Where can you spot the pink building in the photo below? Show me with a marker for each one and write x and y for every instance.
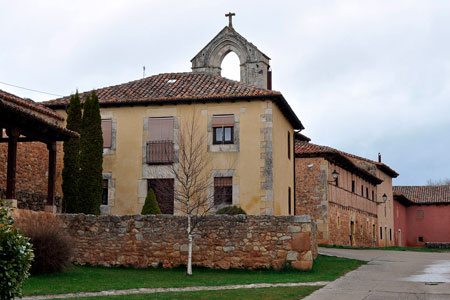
(421, 214)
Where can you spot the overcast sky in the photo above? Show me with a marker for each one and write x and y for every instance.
(362, 76)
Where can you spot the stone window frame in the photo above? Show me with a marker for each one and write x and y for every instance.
(210, 189)
(110, 116)
(158, 171)
(223, 147)
(106, 209)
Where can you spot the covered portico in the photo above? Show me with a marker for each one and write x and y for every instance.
(23, 121)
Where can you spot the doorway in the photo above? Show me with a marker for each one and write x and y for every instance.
(164, 192)
(399, 237)
(352, 233)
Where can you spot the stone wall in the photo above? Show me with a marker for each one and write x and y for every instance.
(221, 241)
(311, 193)
(32, 171)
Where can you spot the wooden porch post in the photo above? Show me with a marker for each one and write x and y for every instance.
(51, 174)
(13, 135)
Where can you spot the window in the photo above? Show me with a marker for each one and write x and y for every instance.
(223, 129)
(223, 190)
(289, 200)
(160, 141)
(390, 234)
(373, 196)
(420, 239)
(420, 214)
(381, 233)
(362, 191)
(107, 133)
(289, 146)
(353, 186)
(367, 192)
(105, 192)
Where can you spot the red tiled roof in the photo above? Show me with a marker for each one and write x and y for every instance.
(385, 168)
(306, 149)
(301, 137)
(29, 105)
(182, 87)
(173, 86)
(30, 114)
(424, 194)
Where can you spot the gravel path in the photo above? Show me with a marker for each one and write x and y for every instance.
(165, 290)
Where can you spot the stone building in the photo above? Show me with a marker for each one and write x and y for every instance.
(421, 215)
(249, 130)
(340, 193)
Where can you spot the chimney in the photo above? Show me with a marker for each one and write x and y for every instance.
(269, 78)
(379, 157)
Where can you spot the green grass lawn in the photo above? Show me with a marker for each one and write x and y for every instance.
(92, 279)
(277, 293)
(417, 249)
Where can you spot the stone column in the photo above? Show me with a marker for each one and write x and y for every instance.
(13, 135)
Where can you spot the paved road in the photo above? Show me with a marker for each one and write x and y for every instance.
(389, 275)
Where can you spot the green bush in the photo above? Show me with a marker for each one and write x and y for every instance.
(231, 210)
(151, 206)
(16, 256)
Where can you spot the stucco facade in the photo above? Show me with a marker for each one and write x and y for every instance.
(259, 153)
(421, 215)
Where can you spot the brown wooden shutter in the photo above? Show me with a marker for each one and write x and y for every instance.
(107, 130)
(223, 181)
(160, 129)
(223, 120)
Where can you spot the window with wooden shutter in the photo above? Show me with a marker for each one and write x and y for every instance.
(107, 133)
(223, 129)
(223, 190)
(160, 141)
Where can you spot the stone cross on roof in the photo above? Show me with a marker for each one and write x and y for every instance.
(230, 16)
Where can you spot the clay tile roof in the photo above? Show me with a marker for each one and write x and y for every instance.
(383, 167)
(33, 112)
(301, 137)
(182, 87)
(306, 149)
(173, 86)
(26, 104)
(424, 194)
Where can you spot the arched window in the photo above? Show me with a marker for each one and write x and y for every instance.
(231, 67)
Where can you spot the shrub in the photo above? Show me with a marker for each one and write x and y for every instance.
(51, 244)
(15, 257)
(231, 210)
(151, 206)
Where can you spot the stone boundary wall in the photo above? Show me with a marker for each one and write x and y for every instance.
(220, 241)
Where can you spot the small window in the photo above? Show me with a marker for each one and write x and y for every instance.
(289, 146)
(223, 190)
(353, 186)
(381, 233)
(420, 239)
(105, 192)
(289, 200)
(367, 192)
(420, 214)
(107, 133)
(223, 129)
(362, 191)
(390, 234)
(373, 196)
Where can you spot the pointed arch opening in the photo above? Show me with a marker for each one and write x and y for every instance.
(230, 67)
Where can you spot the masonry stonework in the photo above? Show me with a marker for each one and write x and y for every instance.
(221, 241)
(32, 174)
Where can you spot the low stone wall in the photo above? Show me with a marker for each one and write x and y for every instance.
(31, 200)
(445, 245)
(220, 241)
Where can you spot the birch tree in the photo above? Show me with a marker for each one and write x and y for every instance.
(191, 179)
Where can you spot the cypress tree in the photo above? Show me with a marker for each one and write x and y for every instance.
(151, 206)
(71, 148)
(91, 157)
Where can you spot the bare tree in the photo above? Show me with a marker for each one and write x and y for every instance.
(191, 179)
(445, 181)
